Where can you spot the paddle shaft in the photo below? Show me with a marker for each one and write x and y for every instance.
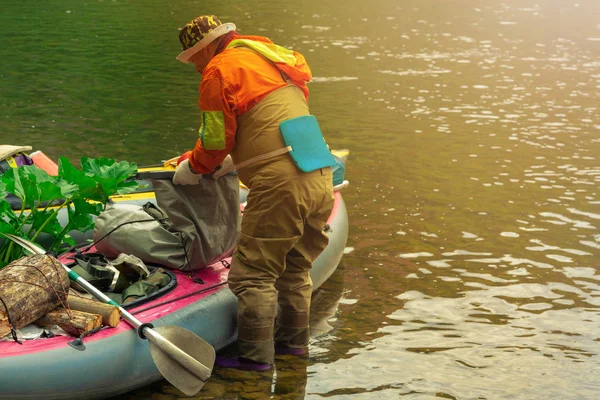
(197, 368)
(187, 373)
(159, 175)
(168, 174)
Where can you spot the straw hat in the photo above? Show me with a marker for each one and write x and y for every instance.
(7, 150)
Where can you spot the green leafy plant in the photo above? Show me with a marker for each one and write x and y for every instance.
(83, 193)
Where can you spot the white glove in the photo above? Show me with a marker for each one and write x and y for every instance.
(184, 174)
(227, 166)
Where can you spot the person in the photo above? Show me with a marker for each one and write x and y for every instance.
(251, 89)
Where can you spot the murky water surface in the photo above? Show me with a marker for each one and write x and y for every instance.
(474, 130)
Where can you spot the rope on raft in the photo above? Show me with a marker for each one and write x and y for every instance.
(48, 288)
(13, 331)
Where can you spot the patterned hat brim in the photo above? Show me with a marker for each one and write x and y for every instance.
(219, 31)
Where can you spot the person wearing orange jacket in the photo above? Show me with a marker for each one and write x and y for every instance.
(254, 118)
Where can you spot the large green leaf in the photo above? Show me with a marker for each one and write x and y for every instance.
(29, 184)
(45, 221)
(6, 227)
(110, 175)
(7, 214)
(51, 188)
(3, 191)
(32, 185)
(84, 193)
(67, 189)
(80, 215)
(50, 191)
(88, 187)
(12, 183)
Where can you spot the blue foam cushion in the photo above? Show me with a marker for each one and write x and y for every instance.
(309, 150)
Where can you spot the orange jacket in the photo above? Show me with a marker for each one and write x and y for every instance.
(233, 82)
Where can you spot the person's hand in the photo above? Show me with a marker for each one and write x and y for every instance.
(184, 175)
(227, 166)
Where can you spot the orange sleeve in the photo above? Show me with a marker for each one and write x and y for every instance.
(218, 125)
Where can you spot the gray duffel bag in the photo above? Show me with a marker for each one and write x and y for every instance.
(192, 226)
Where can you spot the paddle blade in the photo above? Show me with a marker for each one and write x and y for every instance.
(178, 371)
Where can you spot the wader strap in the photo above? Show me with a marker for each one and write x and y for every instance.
(260, 157)
(285, 77)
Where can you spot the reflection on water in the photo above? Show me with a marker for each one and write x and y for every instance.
(476, 234)
(474, 203)
(287, 382)
(462, 347)
(289, 379)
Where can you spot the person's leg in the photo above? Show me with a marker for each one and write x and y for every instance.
(294, 292)
(257, 299)
(271, 226)
(295, 286)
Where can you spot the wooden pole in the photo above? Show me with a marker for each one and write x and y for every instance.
(111, 315)
(74, 322)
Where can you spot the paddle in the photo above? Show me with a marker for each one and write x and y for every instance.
(168, 174)
(182, 357)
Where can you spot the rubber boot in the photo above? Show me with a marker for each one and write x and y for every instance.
(241, 364)
(292, 351)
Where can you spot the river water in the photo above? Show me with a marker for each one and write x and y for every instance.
(472, 264)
